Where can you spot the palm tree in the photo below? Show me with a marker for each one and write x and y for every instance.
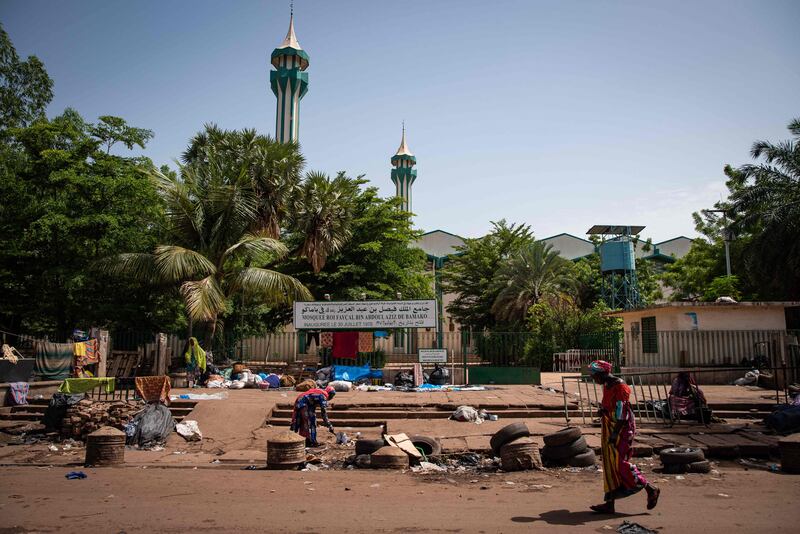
(765, 203)
(532, 273)
(323, 215)
(212, 252)
(273, 169)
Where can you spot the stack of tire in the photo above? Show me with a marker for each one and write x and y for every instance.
(517, 451)
(567, 447)
(677, 460)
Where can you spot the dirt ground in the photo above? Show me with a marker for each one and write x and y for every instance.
(225, 500)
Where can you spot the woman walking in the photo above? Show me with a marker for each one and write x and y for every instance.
(621, 478)
(304, 414)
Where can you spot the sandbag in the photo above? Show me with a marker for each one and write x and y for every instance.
(341, 385)
(151, 426)
(305, 385)
(287, 381)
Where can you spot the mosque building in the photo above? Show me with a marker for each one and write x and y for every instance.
(289, 83)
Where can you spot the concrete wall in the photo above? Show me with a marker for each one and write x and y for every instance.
(728, 317)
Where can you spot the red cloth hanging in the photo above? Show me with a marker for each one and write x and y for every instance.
(345, 345)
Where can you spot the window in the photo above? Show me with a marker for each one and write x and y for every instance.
(649, 335)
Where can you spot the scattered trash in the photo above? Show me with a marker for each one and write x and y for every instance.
(250, 468)
(427, 467)
(341, 438)
(775, 468)
(179, 452)
(189, 430)
(375, 486)
(723, 495)
(467, 414)
(75, 475)
(200, 396)
(679, 477)
(628, 527)
(53, 448)
(540, 486)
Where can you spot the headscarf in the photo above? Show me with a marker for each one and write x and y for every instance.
(600, 367)
(199, 354)
(330, 391)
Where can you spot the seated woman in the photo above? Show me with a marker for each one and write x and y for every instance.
(304, 414)
(685, 397)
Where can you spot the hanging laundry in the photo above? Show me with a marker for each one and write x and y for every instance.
(18, 393)
(153, 388)
(82, 385)
(86, 353)
(365, 343)
(345, 345)
(326, 339)
(54, 360)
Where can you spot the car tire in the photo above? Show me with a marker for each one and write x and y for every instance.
(584, 459)
(563, 452)
(507, 434)
(681, 455)
(563, 436)
(429, 445)
(703, 466)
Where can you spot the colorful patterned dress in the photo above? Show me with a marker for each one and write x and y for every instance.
(621, 478)
(304, 414)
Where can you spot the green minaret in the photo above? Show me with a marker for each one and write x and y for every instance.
(289, 82)
(404, 174)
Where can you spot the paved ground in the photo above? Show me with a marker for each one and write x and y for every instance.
(207, 500)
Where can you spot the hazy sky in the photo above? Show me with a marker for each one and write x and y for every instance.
(559, 114)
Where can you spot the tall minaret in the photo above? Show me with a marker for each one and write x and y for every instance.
(289, 83)
(404, 173)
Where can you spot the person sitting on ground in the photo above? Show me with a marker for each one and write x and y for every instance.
(621, 478)
(195, 358)
(304, 414)
(685, 396)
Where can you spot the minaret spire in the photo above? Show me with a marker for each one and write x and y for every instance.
(289, 83)
(404, 174)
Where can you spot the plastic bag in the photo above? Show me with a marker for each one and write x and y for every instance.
(189, 430)
(466, 414)
(350, 373)
(151, 426)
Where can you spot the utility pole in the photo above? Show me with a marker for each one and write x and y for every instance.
(726, 238)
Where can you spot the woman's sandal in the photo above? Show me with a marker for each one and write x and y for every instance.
(652, 498)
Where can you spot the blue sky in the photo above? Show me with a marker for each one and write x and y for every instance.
(558, 114)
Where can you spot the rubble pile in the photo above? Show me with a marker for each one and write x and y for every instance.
(88, 416)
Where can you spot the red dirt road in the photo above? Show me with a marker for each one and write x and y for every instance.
(224, 500)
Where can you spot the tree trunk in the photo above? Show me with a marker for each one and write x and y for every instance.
(212, 327)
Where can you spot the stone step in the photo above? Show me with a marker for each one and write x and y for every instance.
(20, 416)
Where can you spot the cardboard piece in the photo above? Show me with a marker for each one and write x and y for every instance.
(402, 442)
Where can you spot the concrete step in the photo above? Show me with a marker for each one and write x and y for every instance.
(429, 414)
(356, 423)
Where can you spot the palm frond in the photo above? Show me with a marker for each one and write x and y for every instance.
(177, 264)
(271, 286)
(204, 298)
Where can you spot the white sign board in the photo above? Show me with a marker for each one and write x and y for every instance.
(365, 314)
(432, 355)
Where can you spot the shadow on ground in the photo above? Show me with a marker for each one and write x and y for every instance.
(565, 517)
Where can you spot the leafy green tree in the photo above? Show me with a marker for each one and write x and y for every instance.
(25, 87)
(723, 286)
(65, 204)
(535, 271)
(558, 323)
(111, 130)
(471, 274)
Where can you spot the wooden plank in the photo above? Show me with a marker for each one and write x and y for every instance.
(717, 445)
(679, 440)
